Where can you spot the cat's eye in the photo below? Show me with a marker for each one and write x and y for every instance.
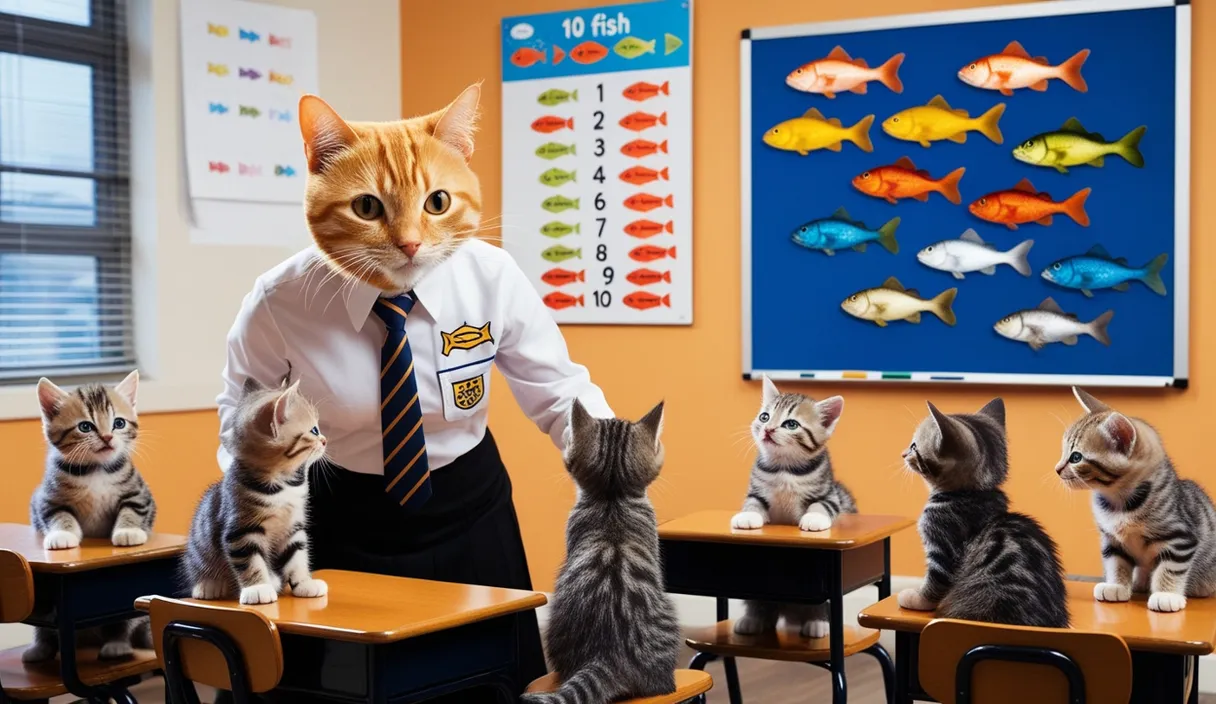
(438, 202)
(367, 207)
(764, 417)
(120, 423)
(315, 430)
(85, 426)
(791, 424)
(1076, 458)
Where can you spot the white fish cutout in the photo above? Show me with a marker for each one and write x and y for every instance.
(1039, 327)
(970, 253)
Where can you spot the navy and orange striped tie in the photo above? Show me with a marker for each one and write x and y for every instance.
(406, 473)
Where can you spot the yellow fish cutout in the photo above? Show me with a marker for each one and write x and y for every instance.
(282, 78)
(218, 30)
(936, 121)
(813, 131)
(465, 337)
(217, 69)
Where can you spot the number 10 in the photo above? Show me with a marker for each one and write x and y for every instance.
(573, 27)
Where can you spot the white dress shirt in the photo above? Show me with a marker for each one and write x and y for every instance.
(299, 317)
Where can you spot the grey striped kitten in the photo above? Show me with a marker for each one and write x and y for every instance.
(792, 484)
(613, 632)
(1158, 531)
(248, 536)
(91, 490)
(983, 561)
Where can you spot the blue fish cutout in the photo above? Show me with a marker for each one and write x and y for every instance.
(218, 108)
(249, 35)
(1097, 269)
(839, 231)
(280, 170)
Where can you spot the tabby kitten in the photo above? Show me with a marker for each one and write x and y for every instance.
(984, 562)
(91, 490)
(248, 536)
(792, 484)
(613, 632)
(1158, 531)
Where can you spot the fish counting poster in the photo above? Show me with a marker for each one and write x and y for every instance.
(597, 160)
(998, 195)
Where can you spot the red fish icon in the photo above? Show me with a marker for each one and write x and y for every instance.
(638, 121)
(526, 56)
(645, 91)
(558, 54)
(588, 52)
(639, 148)
(552, 123)
(648, 228)
(644, 202)
(645, 277)
(558, 300)
(561, 277)
(218, 166)
(643, 301)
(649, 253)
(638, 175)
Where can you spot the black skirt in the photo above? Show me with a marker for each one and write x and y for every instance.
(467, 532)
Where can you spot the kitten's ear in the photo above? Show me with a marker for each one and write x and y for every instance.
(652, 423)
(128, 388)
(283, 407)
(580, 419)
(325, 133)
(251, 385)
(770, 392)
(1120, 433)
(995, 409)
(945, 424)
(457, 123)
(1088, 402)
(50, 397)
(829, 410)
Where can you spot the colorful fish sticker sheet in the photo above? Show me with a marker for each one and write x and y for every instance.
(597, 160)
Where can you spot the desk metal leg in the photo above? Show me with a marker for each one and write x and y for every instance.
(884, 585)
(880, 654)
(1193, 698)
(904, 643)
(840, 687)
(732, 672)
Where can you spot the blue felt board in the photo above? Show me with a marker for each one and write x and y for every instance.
(796, 320)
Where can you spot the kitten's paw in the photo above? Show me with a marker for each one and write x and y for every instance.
(750, 626)
(60, 540)
(207, 590)
(277, 582)
(115, 650)
(815, 522)
(1166, 602)
(815, 629)
(126, 537)
(259, 594)
(912, 599)
(39, 652)
(310, 588)
(1109, 591)
(747, 520)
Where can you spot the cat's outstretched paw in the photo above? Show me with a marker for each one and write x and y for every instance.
(750, 626)
(310, 588)
(115, 650)
(259, 594)
(815, 629)
(40, 652)
(747, 520)
(1166, 602)
(207, 589)
(912, 599)
(815, 522)
(60, 540)
(126, 537)
(1109, 591)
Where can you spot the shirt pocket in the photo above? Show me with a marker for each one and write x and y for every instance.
(465, 389)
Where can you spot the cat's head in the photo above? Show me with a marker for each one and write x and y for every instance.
(388, 201)
(94, 425)
(277, 429)
(790, 429)
(962, 451)
(611, 457)
(1105, 450)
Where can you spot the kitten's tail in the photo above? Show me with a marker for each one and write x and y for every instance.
(593, 683)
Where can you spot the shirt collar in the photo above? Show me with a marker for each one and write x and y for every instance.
(429, 293)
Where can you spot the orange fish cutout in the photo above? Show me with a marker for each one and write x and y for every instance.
(645, 91)
(645, 277)
(558, 54)
(1022, 204)
(561, 277)
(649, 253)
(1015, 68)
(638, 121)
(637, 175)
(558, 300)
(552, 123)
(838, 72)
(903, 180)
(648, 228)
(588, 52)
(643, 301)
(526, 56)
(639, 148)
(644, 202)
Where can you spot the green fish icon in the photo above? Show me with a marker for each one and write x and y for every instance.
(552, 150)
(670, 43)
(632, 47)
(558, 253)
(553, 96)
(250, 111)
(559, 229)
(1073, 145)
(556, 177)
(556, 204)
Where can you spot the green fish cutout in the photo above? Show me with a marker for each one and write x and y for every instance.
(555, 177)
(670, 43)
(1072, 145)
(558, 253)
(632, 47)
(553, 96)
(559, 229)
(250, 111)
(556, 204)
(552, 150)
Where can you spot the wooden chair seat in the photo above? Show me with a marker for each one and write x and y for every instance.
(41, 680)
(254, 635)
(689, 683)
(784, 644)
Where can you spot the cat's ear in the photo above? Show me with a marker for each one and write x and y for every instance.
(251, 385)
(580, 419)
(652, 423)
(1088, 402)
(283, 408)
(325, 133)
(50, 397)
(829, 410)
(995, 409)
(1120, 432)
(128, 388)
(770, 391)
(456, 124)
(945, 425)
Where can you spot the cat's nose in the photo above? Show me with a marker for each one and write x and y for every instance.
(107, 438)
(411, 248)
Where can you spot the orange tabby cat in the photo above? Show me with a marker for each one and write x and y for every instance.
(387, 201)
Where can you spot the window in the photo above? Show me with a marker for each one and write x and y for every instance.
(65, 236)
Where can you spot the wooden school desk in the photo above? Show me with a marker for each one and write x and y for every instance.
(1165, 647)
(704, 556)
(373, 638)
(88, 586)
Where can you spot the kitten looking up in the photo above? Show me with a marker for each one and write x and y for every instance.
(1158, 532)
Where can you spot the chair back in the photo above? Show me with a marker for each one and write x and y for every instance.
(16, 587)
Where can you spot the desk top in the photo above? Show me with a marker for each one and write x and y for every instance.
(93, 553)
(849, 531)
(1191, 631)
(375, 608)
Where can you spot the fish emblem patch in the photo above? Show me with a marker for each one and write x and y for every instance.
(465, 337)
(468, 393)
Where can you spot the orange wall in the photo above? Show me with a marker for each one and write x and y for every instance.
(709, 406)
